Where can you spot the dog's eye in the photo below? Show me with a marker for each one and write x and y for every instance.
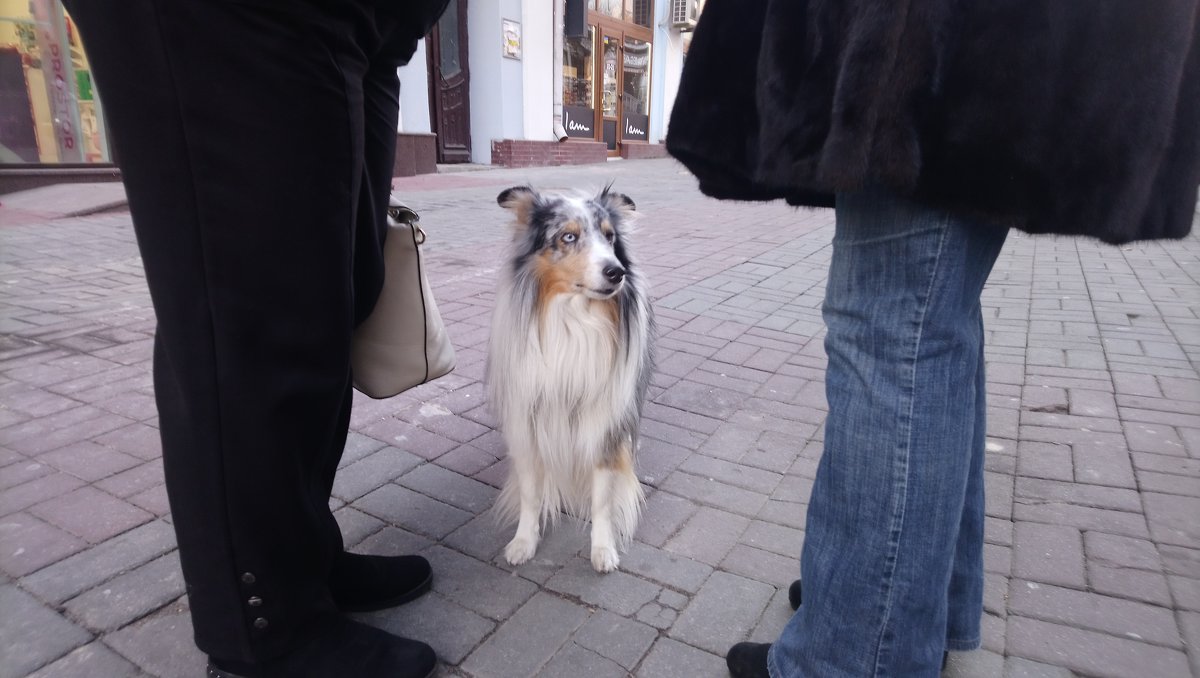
(569, 238)
(611, 236)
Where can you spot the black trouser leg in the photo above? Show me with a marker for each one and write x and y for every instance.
(243, 132)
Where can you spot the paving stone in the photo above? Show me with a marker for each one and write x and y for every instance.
(129, 596)
(372, 472)
(1123, 582)
(1185, 591)
(656, 460)
(708, 536)
(93, 660)
(1089, 611)
(1017, 667)
(709, 492)
(762, 565)
(30, 544)
(528, 639)
(1180, 560)
(36, 491)
(1173, 518)
(452, 630)
(622, 640)
(662, 517)
(1116, 498)
(1082, 518)
(33, 634)
(89, 461)
(450, 487)
(672, 658)
(786, 513)
(974, 664)
(91, 514)
(478, 586)
(1045, 460)
(673, 600)
(664, 567)
(1189, 625)
(756, 480)
(1092, 653)
(617, 591)
(702, 399)
(161, 644)
(1048, 553)
(658, 616)
(22, 471)
(778, 539)
(355, 525)
(723, 612)
(561, 543)
(71, 576)
(483, 537)
(413, 511)
(466, 460)
(392, 541)
(132, 481)
(573, 660)
(774, 618)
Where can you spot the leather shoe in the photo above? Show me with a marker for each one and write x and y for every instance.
(331, 646)
(748, 660)
(364, 583)
(794, 595)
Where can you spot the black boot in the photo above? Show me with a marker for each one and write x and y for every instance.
(332, 645)
(748, 660)
(794, 594)
(361, 583)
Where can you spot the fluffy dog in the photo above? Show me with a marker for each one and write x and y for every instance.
(569, 362)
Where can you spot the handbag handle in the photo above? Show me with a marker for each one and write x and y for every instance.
(404, 214)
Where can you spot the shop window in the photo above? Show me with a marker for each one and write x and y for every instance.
(640, 12)
(49, 111)
(636, 94)
(579, 116)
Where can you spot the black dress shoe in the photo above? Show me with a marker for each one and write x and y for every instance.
(748, 660)
(362, 583)
(332, 646)
(794, 594)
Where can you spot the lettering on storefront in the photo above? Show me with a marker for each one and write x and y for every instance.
(635, 127)
(59, 82)
(579, 122)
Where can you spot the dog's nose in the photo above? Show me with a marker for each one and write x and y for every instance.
(615, 274)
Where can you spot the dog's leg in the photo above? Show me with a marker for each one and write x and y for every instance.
(604, 544)
(527, 476)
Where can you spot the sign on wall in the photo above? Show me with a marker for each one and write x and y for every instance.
(579, 122)
(635, 126)
(511, 38)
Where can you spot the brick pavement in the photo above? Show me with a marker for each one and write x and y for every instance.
(1093, 473)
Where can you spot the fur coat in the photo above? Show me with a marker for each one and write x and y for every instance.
(1051, 116)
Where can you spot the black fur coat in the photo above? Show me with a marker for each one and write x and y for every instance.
(1051, 116)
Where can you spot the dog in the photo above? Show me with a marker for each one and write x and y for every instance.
(569, 361)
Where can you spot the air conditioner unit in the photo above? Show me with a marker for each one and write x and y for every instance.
(684, 13)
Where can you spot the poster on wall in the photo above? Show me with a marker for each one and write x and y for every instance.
(580, 122)
(511, 38)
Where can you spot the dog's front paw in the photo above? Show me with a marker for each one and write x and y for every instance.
(605, 558)
(519, 550)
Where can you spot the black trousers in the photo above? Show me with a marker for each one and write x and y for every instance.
(256, 143)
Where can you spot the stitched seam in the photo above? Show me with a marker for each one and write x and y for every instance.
(898, 515)
(244, 636)
(424, 311)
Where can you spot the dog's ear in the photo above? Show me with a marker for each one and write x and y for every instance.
(616, 202)
(519, 199)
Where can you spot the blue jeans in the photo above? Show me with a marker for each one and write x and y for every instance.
(893, 552)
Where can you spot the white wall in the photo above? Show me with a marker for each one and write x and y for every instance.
(414, 93)
(537, 65)
(668, 63)
(496, 82)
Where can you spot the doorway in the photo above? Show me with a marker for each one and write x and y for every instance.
(450, 85)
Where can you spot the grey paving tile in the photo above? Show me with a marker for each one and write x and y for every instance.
(662, 516)
(672, 658)
(722, 613)
(616, 591)
(709, 492)
(1084, 610)
(33, 634)
(574, 660)
(31, 544)
(71, 576)
(664, 567)
(412, 511)
(372, 471)
(161, 644)
(477, 586)
(528, 639)
(93, 660)
(450, 487)
(619, 639)
(452, 630)
(91, 514)
(708, 535)
(129, 596)
(1092, 653)
(1049, 553)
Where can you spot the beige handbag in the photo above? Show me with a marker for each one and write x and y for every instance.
(403, 343)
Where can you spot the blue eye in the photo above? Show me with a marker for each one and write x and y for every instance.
(569, 238)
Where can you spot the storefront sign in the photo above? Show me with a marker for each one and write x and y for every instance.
(579, 122)
(60, 81)
(635, 127)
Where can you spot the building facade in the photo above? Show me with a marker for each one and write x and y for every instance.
(508, 82)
